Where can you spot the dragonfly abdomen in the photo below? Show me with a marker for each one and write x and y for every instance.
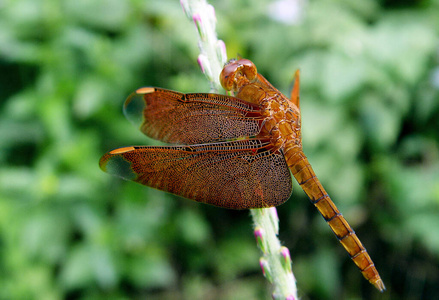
(308, 181)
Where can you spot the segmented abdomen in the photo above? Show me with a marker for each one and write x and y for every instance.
(305, 176)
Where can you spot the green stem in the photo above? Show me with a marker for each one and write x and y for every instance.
(276, 260)
(213, 54)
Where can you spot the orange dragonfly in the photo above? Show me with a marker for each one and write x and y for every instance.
(233, 152)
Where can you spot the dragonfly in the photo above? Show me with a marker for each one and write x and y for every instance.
(235, 152)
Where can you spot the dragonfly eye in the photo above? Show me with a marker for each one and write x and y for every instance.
(247, 68)
(233, 73)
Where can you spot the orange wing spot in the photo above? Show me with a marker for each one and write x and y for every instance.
(121, 150)
(145, 90)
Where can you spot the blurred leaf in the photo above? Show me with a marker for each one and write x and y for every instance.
(237, 255)
(87, 265)
(151, 270)
(112, 14)
(342, 77)
(380, 122)
(192, 227)
(420, 225)
(44, 241)
(407, 55)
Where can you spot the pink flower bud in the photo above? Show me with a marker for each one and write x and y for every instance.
(259, 235)
(200, 26)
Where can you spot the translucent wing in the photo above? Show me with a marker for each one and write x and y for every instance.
(196, 118)
(239, 174)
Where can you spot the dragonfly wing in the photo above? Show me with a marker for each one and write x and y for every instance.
(239, 174)
(196, 118)
(295, 92)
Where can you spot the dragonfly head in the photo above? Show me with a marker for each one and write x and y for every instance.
(237, 73)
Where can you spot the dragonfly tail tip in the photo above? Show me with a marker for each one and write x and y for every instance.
(379, 284)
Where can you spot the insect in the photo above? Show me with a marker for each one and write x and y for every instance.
(234, 152)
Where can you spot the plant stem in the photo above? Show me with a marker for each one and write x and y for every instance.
(275, 261)
(213, 54)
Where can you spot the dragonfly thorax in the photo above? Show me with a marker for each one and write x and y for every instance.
(282, 120)
(281, 123)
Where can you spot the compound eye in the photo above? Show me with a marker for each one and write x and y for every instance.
(235, 69)
(228, 74)
(248, 68)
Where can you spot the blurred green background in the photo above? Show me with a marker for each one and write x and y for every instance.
(370, 111)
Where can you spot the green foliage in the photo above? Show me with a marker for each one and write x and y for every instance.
(369, 100)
